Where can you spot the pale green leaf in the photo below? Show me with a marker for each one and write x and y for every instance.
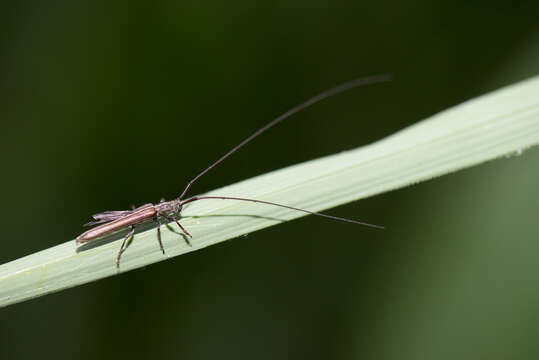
(500, 123)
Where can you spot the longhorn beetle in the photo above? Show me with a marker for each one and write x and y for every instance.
(112, 221)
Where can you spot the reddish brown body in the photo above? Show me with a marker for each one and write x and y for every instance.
(124, 218)
(112, 221)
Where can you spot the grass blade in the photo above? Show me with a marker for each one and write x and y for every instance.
(490, 126)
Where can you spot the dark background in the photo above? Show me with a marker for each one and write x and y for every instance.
(106, 105)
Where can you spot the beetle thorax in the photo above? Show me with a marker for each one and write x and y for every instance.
(168, 207)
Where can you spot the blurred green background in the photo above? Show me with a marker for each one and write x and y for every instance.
(104, 105)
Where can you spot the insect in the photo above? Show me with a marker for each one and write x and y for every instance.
(112, 221)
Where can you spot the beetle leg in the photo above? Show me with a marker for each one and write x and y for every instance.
(122, 248)
(159, 233)
(181, 227)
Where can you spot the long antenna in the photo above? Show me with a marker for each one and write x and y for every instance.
(336, 90)
(196, 198)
